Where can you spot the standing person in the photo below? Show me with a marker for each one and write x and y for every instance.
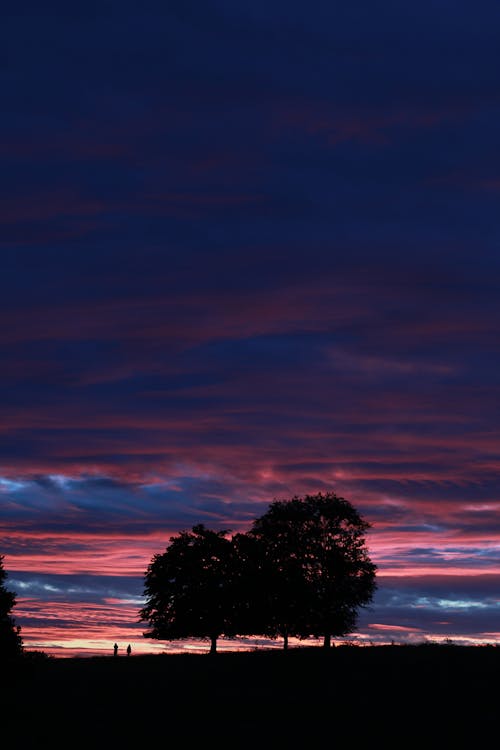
(115, 649)
(129, 650)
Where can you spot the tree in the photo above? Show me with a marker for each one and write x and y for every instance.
(10, 633)
(315, 569)
(188, 588)
(252, 610)
(271, 588)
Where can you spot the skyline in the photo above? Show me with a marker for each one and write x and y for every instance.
(248, 252)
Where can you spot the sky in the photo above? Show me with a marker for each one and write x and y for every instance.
(248, 251)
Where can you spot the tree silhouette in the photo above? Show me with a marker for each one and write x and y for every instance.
(271, 595)
(302, 569)
(314, 569)
(189, 590)
(10, 634)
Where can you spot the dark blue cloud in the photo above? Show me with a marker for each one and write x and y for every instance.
(74, 589)
(463, 606)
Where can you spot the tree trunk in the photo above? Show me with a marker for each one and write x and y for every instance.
(213, 644)
(327, 641)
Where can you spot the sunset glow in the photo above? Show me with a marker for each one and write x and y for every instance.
(247, 255)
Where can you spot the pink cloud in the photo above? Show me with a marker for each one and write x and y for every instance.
(394, 628)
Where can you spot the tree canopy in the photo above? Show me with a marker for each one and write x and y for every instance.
(10, 633)
(301, 570)
(189, 588)
(315, 565)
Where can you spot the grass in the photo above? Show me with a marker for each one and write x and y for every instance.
(376, 696)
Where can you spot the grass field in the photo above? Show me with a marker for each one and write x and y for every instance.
(425, 696)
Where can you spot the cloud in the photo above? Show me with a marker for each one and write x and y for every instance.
(228, 277)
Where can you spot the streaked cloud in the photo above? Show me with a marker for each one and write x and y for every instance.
(230, 277)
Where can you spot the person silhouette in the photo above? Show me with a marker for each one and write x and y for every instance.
(115, 649)
(129, 650)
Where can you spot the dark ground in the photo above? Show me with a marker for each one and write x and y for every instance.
(425, 696)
